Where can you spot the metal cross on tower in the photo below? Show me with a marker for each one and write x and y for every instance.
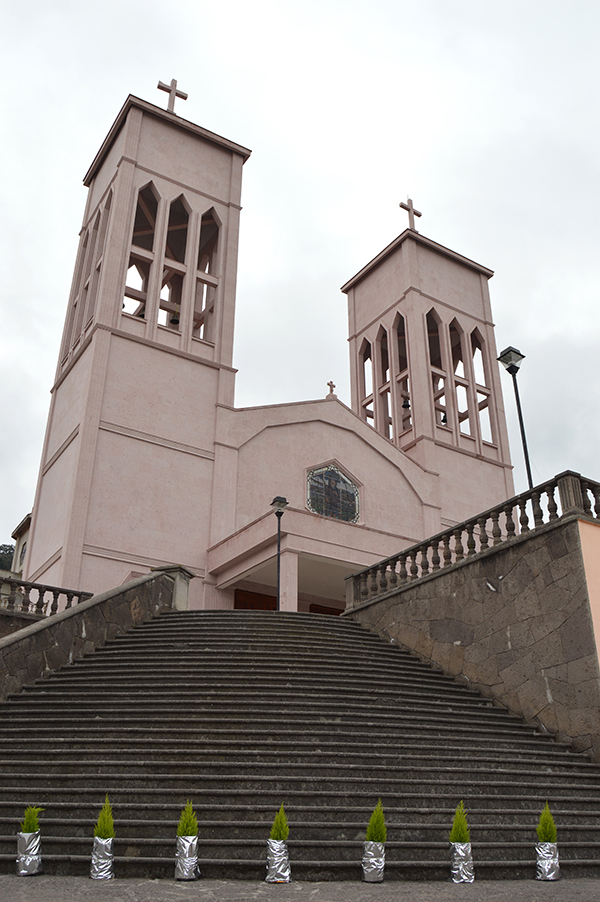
(173, 93)
(411, 213)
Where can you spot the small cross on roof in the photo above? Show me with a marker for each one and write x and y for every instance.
(172, 92)
(411, 213)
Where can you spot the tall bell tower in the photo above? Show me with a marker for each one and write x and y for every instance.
(146, 355)
(423, 366)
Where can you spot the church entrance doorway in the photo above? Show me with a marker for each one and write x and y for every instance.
(253, 601)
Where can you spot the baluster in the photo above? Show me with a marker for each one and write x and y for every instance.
(510, 523)
(523, 518)
(414, 569)
(435, 555)
(483, 536)
(39, 605)
(383, 578)
(458, 547)
(54, 605)
(596, 494)
(496, 531)
(552, 508)
(10, 603)
(403, 573)
(447, 549)
(364, 587)
(26, 603)
(424, 560)
(538, 514)
(393, 574)
(587, 507)
(470, 539)
(69, 599)
(373, 586)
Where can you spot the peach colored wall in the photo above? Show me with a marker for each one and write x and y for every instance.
(590, 546)
(163, 146)
(105, 175)
(155, 392)
(53, 507)
(148, 499)
(456, 285)
(69, 404)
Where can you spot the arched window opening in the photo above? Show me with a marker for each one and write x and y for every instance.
(177, 230)
(145, 219)
(169, 309)
(204, 308)
(439, 399)
(462, 409)
(433, 335)
(403, 378)
(458, 363)
(209, 237)
(485, 423)
(478, 363)
(95, 275)
(384, 356)
(331, 494)
(366, 374)
(136, 287)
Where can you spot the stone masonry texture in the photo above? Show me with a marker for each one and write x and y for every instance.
(515, 623)
(50, 643)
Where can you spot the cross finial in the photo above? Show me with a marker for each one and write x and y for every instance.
(173, 93)
(331, 385)
(411, 213)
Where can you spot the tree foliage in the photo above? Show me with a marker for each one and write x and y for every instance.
(546, 829)
(280, 829)
(188, 822)
(460, 828)
(6, 556)
(377, 830)
(30, 819)
(105, 826)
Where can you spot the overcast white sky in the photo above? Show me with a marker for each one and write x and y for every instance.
(485, 113)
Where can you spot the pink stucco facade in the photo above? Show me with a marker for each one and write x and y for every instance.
(146, 460)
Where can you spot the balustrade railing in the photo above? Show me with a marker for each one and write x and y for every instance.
(565, 494)
(21, 597)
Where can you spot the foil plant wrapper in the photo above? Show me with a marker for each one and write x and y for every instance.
(29, 854)
(373, 861)
(547, 866)
(186, 862)
(278, 862)
(102, 859)
(462, 863)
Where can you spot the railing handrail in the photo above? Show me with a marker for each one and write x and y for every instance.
(572, 488)
(23, 604)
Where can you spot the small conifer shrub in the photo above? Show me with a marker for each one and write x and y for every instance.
(105, 826)
(377, 830)
(460, 829)
(546, 829)
(280, 829)
(188, 822)
(30, 820)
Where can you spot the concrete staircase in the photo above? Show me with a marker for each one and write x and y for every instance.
(241, 711)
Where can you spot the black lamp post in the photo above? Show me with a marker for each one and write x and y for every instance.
(511, 360)
(278, 505)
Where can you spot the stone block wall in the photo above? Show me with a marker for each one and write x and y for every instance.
(55, 641)
(515, 623)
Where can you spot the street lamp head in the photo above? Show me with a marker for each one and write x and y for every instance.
(511, 360)
(279, 504)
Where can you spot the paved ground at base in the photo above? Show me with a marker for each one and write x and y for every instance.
(82, 889)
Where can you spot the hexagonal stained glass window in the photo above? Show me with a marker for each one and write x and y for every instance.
(332, 494)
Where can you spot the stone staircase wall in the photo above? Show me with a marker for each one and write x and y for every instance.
(48, 644)
(513, 622)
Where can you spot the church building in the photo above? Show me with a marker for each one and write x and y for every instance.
(146, 460)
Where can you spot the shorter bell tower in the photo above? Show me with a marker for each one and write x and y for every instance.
(423, 366)
(146, 355)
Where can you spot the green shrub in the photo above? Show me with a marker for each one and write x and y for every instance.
(30, 820)
(105, 826)
(280, 829)
(188, 822)
(546, 829)
(376, 830)
(460, 829)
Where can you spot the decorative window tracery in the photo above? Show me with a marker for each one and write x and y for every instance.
(331, 494)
